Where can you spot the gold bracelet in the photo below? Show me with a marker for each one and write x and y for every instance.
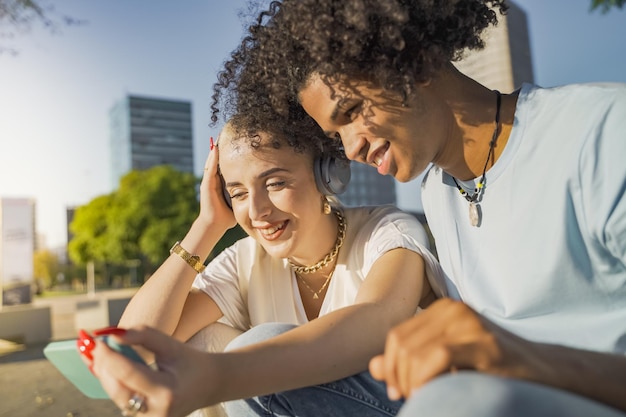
(192, 260)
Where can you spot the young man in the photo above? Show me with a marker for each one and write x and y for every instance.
(525, 199)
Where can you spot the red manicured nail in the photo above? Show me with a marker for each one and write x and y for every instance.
(117, 331)
(83, 350)
(212, 143)
(85, 344)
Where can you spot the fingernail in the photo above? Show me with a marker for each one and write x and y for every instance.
(212, 143)
(83, 350)
(85, 344)
(393, 393)
(117, 331)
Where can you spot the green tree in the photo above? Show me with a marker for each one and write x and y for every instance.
(46, 267)
(606, 5)
(90, 227)
(150, 210)
(20, 16)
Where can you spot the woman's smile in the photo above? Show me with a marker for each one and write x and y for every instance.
(272, 232)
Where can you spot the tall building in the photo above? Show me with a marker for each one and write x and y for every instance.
(145, 132)
(504, 64)
(17, 247)
(368, 187)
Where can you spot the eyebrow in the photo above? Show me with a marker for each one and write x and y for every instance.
(262, 175)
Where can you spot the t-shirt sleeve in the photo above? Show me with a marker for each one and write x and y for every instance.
(603, 177)
(390, 228)
(220, 281)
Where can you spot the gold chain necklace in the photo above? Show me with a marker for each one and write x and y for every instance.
(316, 294)
(341, 234)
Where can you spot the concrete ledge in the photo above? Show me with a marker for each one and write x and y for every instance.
(25, 324)
(90, 315)
(116, 308)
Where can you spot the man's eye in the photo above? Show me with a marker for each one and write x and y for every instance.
(277, 184)
(353, 111)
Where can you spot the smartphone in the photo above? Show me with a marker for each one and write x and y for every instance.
(65, 357)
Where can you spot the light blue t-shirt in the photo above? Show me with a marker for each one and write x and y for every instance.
(548, 261)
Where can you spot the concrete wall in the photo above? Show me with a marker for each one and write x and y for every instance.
(26, 324)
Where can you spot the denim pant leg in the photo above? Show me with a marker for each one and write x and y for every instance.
(359, 395)
(471, 394)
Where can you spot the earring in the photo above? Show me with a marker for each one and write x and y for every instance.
(326, 206)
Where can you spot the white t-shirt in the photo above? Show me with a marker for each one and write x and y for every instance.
(250, 287)
(548, 261)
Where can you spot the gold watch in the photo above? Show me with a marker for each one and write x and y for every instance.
(192, 260)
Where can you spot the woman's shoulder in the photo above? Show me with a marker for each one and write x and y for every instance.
(368, 214)
(367, 219)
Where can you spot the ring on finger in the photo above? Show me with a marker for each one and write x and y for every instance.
(136, 404)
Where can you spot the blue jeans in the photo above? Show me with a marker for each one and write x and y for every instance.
(359, 395)
(474, 394)
(463, 394)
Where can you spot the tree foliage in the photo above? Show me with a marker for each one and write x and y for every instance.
(606, 5)
(150, 210)
(46, 266)
(21, 16)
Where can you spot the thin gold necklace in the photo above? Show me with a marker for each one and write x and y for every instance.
(316, 294)
(341, 234)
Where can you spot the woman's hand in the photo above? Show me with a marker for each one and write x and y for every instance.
(445, 337)
(178, 386)
(213, 207)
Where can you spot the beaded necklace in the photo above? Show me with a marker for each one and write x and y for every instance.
(476, 197)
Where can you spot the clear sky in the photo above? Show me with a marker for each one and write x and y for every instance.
(55, 95)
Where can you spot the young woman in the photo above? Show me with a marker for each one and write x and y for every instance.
(525, 199)
(328, 281)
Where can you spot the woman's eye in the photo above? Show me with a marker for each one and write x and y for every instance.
(237, 195)
(276, 184)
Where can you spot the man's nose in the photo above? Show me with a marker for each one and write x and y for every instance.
(354, 145)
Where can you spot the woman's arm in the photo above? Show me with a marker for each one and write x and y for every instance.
(330, 347)
(164, 301)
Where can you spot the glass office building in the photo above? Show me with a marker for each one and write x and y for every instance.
(368, 187)
(505, 62)
(145, 132)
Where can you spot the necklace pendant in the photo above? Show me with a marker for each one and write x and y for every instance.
(315, 296)
(474, 215)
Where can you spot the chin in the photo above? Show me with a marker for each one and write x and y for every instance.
(402, 176)
(413, 173)
(279, 252)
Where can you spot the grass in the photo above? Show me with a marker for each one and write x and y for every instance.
(58, 293)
